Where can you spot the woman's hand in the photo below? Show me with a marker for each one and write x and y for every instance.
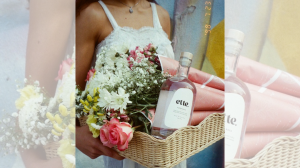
(93, 147)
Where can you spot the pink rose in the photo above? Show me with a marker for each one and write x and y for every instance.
(150, 46)
(119, 133)
(124, 117)
(90, 74)
(64, 67)
(104, 136)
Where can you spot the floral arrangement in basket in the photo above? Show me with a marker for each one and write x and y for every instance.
(44, 121)
(120, 91)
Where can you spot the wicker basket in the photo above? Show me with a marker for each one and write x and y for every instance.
(51, 150)
(283, 152)
(82, 120)
(183, 143)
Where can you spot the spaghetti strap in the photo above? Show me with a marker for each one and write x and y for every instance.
(109, 15)
(156, 22)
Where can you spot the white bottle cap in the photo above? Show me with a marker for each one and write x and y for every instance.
(235, 34)
(186, 59)
(187, 55)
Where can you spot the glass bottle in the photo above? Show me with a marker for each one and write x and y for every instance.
(176, 101)
(237, 96)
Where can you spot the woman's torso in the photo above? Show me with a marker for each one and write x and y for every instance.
(137, 37)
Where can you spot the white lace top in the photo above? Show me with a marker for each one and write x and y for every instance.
(137, 37)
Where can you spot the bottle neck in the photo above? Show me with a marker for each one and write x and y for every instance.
(182, 71)
(232, 52)
(183, 68)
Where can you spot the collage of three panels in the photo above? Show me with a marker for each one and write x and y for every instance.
(149, 83)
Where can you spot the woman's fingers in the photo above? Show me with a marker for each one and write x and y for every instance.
(91, 146)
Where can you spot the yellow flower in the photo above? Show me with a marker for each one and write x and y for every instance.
(100, 114)
(67, 149)
(49, 116)
(57, 118)
(95, 91)
(55, 133)
(72, 99)
(91, 120)
(71, 128)
(63, 110)
(95, 108)
(87, 103)
(73, 112)
(89, 97)
(27, 93)
(58, 128)
(96, 99)
(86, 108)
(82, 102)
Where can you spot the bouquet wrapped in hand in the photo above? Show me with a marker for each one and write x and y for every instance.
(120, 91)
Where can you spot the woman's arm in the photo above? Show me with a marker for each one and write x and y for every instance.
(86, 39)
(89, 22)
(49, 31)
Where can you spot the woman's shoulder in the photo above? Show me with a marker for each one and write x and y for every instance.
(162, 13)
(91, 11)
(164, 18)
(91, 19)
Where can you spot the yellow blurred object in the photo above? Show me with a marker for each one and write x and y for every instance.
(55, 133)
(86, 103)
(100, 114)
(58, 128)
(215, 49)
(58, 119)
(63, 110)
(27, 93)
(67, 149)
(72, 99)
(49, 116)
(71, 128)
(284, 33)
(73, 112)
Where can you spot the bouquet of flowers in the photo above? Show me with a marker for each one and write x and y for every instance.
(29, 127)
(44, 121)
(120, 91)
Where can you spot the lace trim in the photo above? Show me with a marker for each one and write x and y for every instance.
(144, 28)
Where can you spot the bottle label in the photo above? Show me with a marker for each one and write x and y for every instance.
(234, 115)
(179, 109)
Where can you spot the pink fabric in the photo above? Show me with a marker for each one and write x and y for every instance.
(272, 113)
(208, 99)
(259, 74)
(254, 142)
(275, 105)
